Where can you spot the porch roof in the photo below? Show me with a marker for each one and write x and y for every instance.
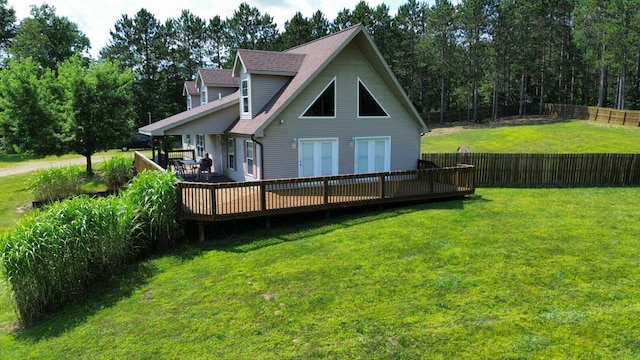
(163, 127)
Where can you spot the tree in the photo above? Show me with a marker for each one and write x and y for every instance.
(443, 29)
(98, 106)
(248, 29)
(7, 26)
(30, 113)
(48, 38)
(141, 45)
(297, 31)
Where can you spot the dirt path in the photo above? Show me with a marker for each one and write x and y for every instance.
(37, 165)
(448, 128)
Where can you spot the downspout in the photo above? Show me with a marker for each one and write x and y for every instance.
(253, 138)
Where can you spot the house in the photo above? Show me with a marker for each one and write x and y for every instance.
(330, 106)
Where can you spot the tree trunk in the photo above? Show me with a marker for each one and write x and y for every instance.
(443, 103)
(522, 109)
(89, 168)
(496, 84)
(602, 87)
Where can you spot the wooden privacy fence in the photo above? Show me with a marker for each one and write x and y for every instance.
(594, 113)
(546, 170)
(224, 201)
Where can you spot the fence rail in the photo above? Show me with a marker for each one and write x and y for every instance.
(141, 163)
(224, 201)
(594, 113)
(546, 170)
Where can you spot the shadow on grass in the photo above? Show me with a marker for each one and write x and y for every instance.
(103, 294)
(243, 236)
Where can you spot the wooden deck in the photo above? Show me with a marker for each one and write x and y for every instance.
(226, 201)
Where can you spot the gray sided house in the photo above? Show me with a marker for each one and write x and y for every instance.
(331, 106)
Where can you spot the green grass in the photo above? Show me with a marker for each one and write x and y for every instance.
(559, 137)
(8, 160)
(507, 274)
(15, 200)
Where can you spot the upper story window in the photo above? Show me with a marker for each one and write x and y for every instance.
(368, 106)
(203, 94)
(245, 96)
(325, 104)
(188, 102)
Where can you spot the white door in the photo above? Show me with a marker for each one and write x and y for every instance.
(373, 154)
(317, 157)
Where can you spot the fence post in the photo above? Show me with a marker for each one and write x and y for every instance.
(263, 197)
(381, 185)
(213, 202)
(325, 191)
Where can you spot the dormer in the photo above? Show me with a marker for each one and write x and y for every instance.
(261, 75)
(214, 84)
(190, 92)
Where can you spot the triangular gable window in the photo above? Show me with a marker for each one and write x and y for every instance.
(325, 104)
(368, 106)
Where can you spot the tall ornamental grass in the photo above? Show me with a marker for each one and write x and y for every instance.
(52, 256)
(56, 183)
(117, 172)
(153, 194)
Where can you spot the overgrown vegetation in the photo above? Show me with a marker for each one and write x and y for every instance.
(53, 255)
(56, 183)
(117, 172)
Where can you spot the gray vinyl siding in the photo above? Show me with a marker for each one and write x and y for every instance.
(215, 123)
(281, 160)
(263, 88)
(215, 92)
(240, 172)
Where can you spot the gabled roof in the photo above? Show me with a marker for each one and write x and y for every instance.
(190, 88)
(267, 62)
(159, 128)
(216, 77)
(315, 56)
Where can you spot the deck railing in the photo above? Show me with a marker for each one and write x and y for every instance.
(224, 201)
(141, 163)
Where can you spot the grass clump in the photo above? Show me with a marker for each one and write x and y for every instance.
(117, 172)
(153, 194)
(52, 256)
(56, 183)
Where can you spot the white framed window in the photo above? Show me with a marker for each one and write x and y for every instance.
(249, 157)
(188, 102)
(324, 105)
(200, 145)
(231, 153)
(317, 157)
(372, 154)
(244, 96)
(203, 94)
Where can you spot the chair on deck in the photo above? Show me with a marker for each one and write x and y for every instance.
(178, 168)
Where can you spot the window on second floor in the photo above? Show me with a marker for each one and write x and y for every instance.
(203, 94)
(368, 106)
(245, 96)
(188, 102)
(325, 104)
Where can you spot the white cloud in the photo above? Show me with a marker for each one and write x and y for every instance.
(96, 18)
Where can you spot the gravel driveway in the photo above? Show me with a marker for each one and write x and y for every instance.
(30, 166)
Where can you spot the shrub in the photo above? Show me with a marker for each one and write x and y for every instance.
(56, 183)
(153, 194)
(117, 172)
(52, 255)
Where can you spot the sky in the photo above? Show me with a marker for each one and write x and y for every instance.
(96, 18)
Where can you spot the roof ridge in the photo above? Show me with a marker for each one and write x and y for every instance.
(324, 37)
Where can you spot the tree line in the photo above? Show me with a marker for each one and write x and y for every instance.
(446, 56)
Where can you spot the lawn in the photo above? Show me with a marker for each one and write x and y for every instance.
(558, 137)
(507, 273)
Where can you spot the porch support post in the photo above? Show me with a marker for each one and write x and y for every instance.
(201, 236)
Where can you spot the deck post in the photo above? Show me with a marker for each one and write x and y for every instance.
(201, 231)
